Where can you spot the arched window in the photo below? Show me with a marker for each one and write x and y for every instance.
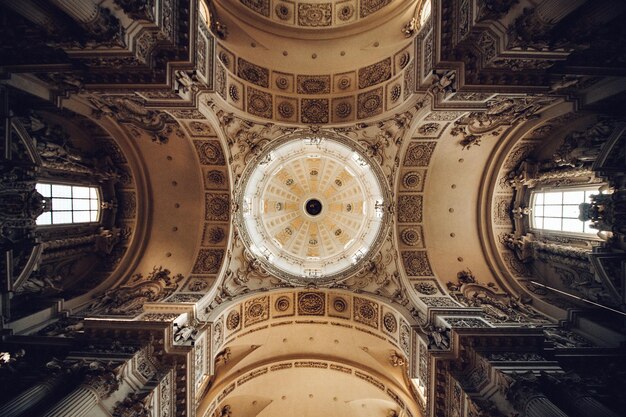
(555, 209)
(70, 204)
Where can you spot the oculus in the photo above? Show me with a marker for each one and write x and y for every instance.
(333, 207)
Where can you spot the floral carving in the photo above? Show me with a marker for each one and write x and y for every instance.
(232, 320)
(217, 207)
(311, 303)
(365, 311)
(419, 154)
(209, 152)
(426, 288)
(314, 111)
(416, 263)
(410, 208)
(411, 237)
(375, 73)
(256, 310)
(390, 323)
(310, 14)
(208, 261)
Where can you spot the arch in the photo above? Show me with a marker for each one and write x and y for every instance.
(314, 331)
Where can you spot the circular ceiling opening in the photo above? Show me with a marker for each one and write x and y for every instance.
(312, 207)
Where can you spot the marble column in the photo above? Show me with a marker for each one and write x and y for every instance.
(21, 404)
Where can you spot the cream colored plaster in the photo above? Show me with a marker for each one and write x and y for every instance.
(439, 197)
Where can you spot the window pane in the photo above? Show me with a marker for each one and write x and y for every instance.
(80, 192)
(44, 219)
(552, 211)
(60, 217)
(43, 189)
(573, 197)
(553, 198)
(70, 204)
(538, 210)
(80, 204)
(588, 228)
(572, 225)
(588, 195)
(81, 217)
(61, 190)
(571, 211)
(539, 198)
(61, 204)
(539, 222)
(552, 224)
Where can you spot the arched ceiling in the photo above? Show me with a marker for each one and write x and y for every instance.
(285, 352)
(314, 73)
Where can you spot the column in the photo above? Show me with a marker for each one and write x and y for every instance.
(84, 11)
(572, 395)
(32, 12)
(97, 386)
(587, 406)
(78, 403)
(527, 399)
(540, 406)
(29, 398)
(552, 11)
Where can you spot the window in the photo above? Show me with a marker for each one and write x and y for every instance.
(425, 12)
(559, 211)
(70, 204)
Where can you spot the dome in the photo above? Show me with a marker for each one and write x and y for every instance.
(312, 206)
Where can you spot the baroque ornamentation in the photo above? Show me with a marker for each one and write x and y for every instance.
(416, 263)
(390, 323)
(410, 208)
(314, 15)
(256, 310)
(209, 152)
(411, 237)
(217, 207)
(232, 320)
(497, 307)
(365, 311)
(314, 111)
(128, 299)
(425, 287)
(208, 261)
(311, 303)
(419, 154)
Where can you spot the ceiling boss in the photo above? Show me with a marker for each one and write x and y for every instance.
(312, 207)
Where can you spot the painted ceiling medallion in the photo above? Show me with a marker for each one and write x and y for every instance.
(312, 207)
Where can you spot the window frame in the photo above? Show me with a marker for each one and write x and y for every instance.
(98, 191)
(547, 189)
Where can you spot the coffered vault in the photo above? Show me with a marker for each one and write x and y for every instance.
(308, 208)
